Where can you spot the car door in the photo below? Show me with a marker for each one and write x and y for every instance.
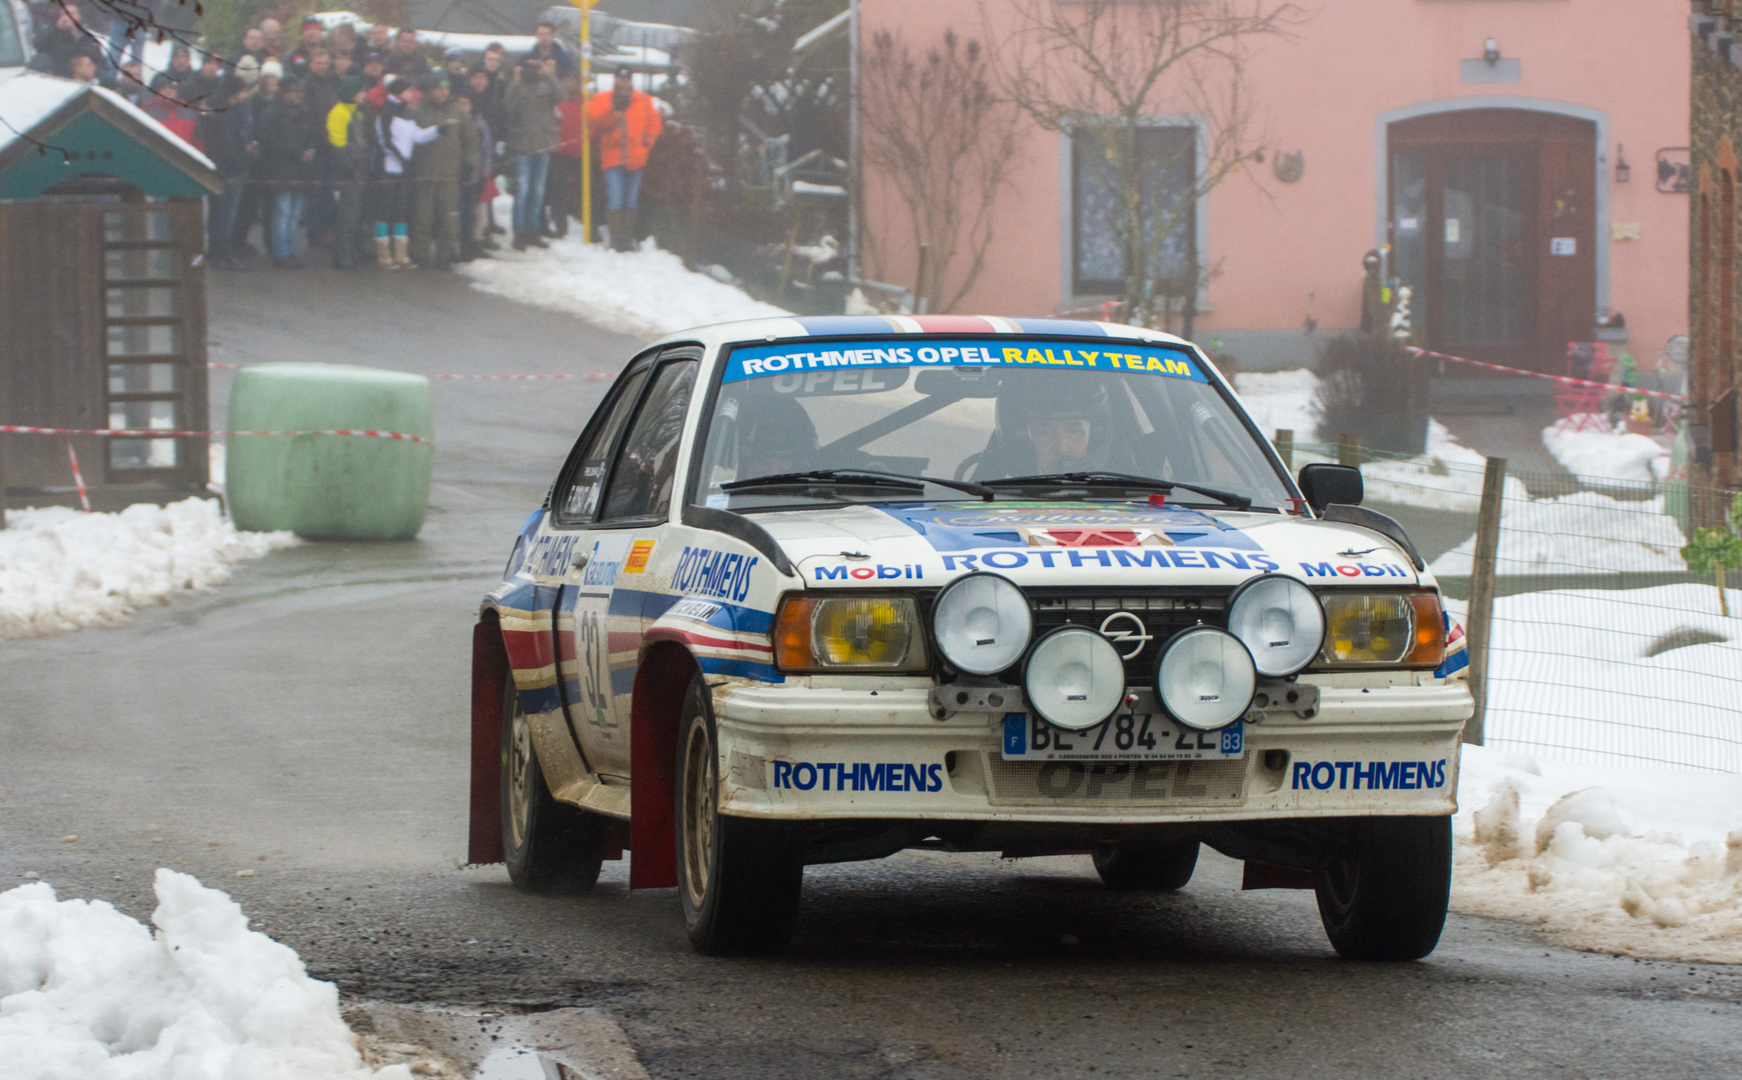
(571, 526)
(604, 599)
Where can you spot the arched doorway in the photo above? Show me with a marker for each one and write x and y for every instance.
(1493, 221)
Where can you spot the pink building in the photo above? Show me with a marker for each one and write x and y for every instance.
(1507, 150)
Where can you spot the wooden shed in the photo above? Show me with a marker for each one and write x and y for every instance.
(102, 297)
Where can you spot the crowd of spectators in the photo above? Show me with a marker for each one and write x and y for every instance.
(349, 142)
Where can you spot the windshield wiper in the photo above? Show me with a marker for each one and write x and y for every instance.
(1119, 480)
(864, 477)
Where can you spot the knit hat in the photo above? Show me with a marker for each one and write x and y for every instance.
(248, 70)
(348, 86)
(273, 68)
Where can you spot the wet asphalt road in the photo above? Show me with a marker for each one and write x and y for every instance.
(307, 722)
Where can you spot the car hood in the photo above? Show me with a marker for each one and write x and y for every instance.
(1065, 543)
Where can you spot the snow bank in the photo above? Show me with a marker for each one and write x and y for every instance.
(1607, 677)
(1280, 399)
(647, 293)
(1585, 532)
(87, 992)
(61, 570)
(1447, 477)
(1595, 452)
(1611, 860)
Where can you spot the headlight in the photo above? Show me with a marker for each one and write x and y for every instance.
(845, 633)
(1280, 622)
(1365, 629)
(982, 623)
(1074, 678)
(1205, 678)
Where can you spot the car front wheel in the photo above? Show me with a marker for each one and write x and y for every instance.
(1384, 897)
(739, 879)
(549, 846)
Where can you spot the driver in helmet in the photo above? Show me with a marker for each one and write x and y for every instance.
(1052, 424)
(774, 434)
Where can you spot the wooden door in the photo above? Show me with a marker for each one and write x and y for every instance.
(1493, 226)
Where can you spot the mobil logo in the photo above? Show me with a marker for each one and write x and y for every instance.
(870, 572)
(1353, 570)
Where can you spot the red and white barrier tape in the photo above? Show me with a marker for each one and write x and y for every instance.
(1564, 380)
(78, 477)
(165, 433)
(483, 378)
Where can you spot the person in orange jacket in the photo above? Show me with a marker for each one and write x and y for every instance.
(627, 124)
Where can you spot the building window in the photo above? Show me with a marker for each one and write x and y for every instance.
(1099, 259)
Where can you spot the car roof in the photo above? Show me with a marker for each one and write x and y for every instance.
(803, 326)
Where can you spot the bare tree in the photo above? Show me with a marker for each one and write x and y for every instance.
(936, 128)
(1102, 71)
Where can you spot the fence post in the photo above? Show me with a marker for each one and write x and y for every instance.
(1348, 448)
(1481, 614)
(1285, 447)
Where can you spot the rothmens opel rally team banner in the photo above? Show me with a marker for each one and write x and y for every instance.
(793, 357)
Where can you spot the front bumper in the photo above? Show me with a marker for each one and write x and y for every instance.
(801, 751)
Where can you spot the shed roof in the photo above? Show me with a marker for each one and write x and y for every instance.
(53, 129)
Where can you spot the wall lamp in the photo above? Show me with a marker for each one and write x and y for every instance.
(1623, 172)
(1491, 51)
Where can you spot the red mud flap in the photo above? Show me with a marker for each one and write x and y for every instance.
(659, 694)
(489, 671)
(1259, 875)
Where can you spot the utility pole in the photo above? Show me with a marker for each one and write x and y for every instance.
(586, 8)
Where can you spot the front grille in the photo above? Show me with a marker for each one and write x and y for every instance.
(1161, 613)
(1137, 783)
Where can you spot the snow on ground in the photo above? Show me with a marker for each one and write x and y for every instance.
(1582, 533)
(1280, 400)
(88, 992)
(1447, 477)
(61, 570)
(647, 293)
(1586, 447)
(1607, 677)
(1625, 861)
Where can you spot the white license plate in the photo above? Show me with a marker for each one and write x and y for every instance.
(1124, 736)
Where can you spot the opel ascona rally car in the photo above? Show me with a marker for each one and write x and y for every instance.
(813, 590)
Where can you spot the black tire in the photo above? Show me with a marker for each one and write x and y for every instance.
(550, 847)
(1166, 869)
(1386, 897)
(739, 879)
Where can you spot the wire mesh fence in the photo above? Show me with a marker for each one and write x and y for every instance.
(1604, 647)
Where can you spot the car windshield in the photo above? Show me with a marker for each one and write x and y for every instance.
(981, 411)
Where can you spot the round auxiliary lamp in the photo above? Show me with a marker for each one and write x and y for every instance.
(1205, 678)
(981, 623)
(1280, 621)
(1074, 678)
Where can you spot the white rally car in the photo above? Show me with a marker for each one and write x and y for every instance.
(813, 590)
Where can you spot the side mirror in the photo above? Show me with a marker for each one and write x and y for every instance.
(1324, 484)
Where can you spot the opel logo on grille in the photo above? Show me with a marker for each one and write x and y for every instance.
(1123, 628)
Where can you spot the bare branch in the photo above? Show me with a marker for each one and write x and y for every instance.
(933, 124)
(1102, 71)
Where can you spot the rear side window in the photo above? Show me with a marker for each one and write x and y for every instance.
(576, 504)
(641, 482)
